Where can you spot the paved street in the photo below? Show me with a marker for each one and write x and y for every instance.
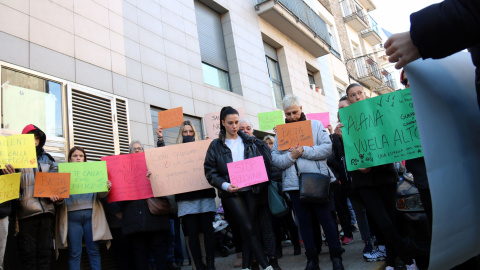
(352, 258)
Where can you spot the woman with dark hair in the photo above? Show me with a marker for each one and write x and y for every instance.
(234, 145)
(82, 217)
(377, 187)
(197, 210)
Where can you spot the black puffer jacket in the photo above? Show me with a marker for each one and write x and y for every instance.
(218, 155)
(378, 175)
(137, 218)
(5, 209)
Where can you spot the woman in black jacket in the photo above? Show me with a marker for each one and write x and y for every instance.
(147, 232)
(197, 210)
(233, 145)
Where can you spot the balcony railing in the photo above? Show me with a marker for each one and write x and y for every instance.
(388, 79)
(305, 14)
(367, 67)
(351, 8)
(373, 26)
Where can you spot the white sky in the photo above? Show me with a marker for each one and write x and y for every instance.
(394, 15)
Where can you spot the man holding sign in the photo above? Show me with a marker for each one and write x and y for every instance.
(308, 159)
(377, 187)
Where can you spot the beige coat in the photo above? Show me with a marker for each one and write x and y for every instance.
(100, 228)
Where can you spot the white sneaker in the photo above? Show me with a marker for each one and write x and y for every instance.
(269, 268)
(389, 268)
(412, 266)
(374, 256)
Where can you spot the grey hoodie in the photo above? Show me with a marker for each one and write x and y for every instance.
(313, 159)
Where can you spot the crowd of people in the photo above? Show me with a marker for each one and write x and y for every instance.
(142, 239)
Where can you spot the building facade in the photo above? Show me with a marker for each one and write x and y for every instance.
(95, 73)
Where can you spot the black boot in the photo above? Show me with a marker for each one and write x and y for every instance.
(254, 265)
(312, 260)
(199, 265)
(210, 263)
(297, 250)
(279, 251)
(337, 263)
(274, 263)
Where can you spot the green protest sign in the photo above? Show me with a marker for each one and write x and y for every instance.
(269, 120)
(86, 177)
(380, 130)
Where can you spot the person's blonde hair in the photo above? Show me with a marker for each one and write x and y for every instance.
(182, 127)
(269, 137)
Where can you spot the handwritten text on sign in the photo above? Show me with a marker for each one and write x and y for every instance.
(177, 168)
(49, 184)
(86, 177)
(293, 134)
(322, 117)
(247, 172)
(170, 118)
(212, 123)
(18, 150)
(9, 187)
(128, 174)
(269, 120)
(380, 130)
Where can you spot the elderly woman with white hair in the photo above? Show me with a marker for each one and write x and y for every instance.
(311, 159)
(148, 233)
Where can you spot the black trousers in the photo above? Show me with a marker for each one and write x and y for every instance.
(122, 250)
(35, 242)
(192, 226)
(243, 208)
(156, 243)
(380, 202)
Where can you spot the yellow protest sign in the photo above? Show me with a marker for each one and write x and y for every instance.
(9, 187)
(18, 150)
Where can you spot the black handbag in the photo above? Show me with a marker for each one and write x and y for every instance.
(276, 201)
(313, 187)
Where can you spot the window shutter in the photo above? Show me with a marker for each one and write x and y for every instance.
(94, 125)
(210, 36)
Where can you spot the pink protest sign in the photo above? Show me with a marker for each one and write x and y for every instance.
(212, 123)
(128, 174)
(247, 172)
(322, 117)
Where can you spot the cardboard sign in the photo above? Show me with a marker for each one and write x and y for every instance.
(247, 172)
(322, 117)
(49, 184)
(269, 120)
(170, 118)
(128, 174)
(18, 150)
(293, 134)
(9, 187)
(86, 177)
(380, 130)
(212, 123)
(177, 168)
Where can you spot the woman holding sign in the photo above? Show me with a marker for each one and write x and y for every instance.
(308, 159)
(82, 217)
(377, 187)
(234, 145)
(197, 210)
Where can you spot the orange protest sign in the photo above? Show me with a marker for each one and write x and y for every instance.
(170, 118)
(49, 184)
(293, 134)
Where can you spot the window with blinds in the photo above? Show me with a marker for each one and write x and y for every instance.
(170, 134)
(98, 122)
(212, 46)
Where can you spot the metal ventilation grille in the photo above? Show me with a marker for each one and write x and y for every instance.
(93, 126)
(122, 122)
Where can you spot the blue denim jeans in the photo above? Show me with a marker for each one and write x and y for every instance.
(80, 226)
(304, 212)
